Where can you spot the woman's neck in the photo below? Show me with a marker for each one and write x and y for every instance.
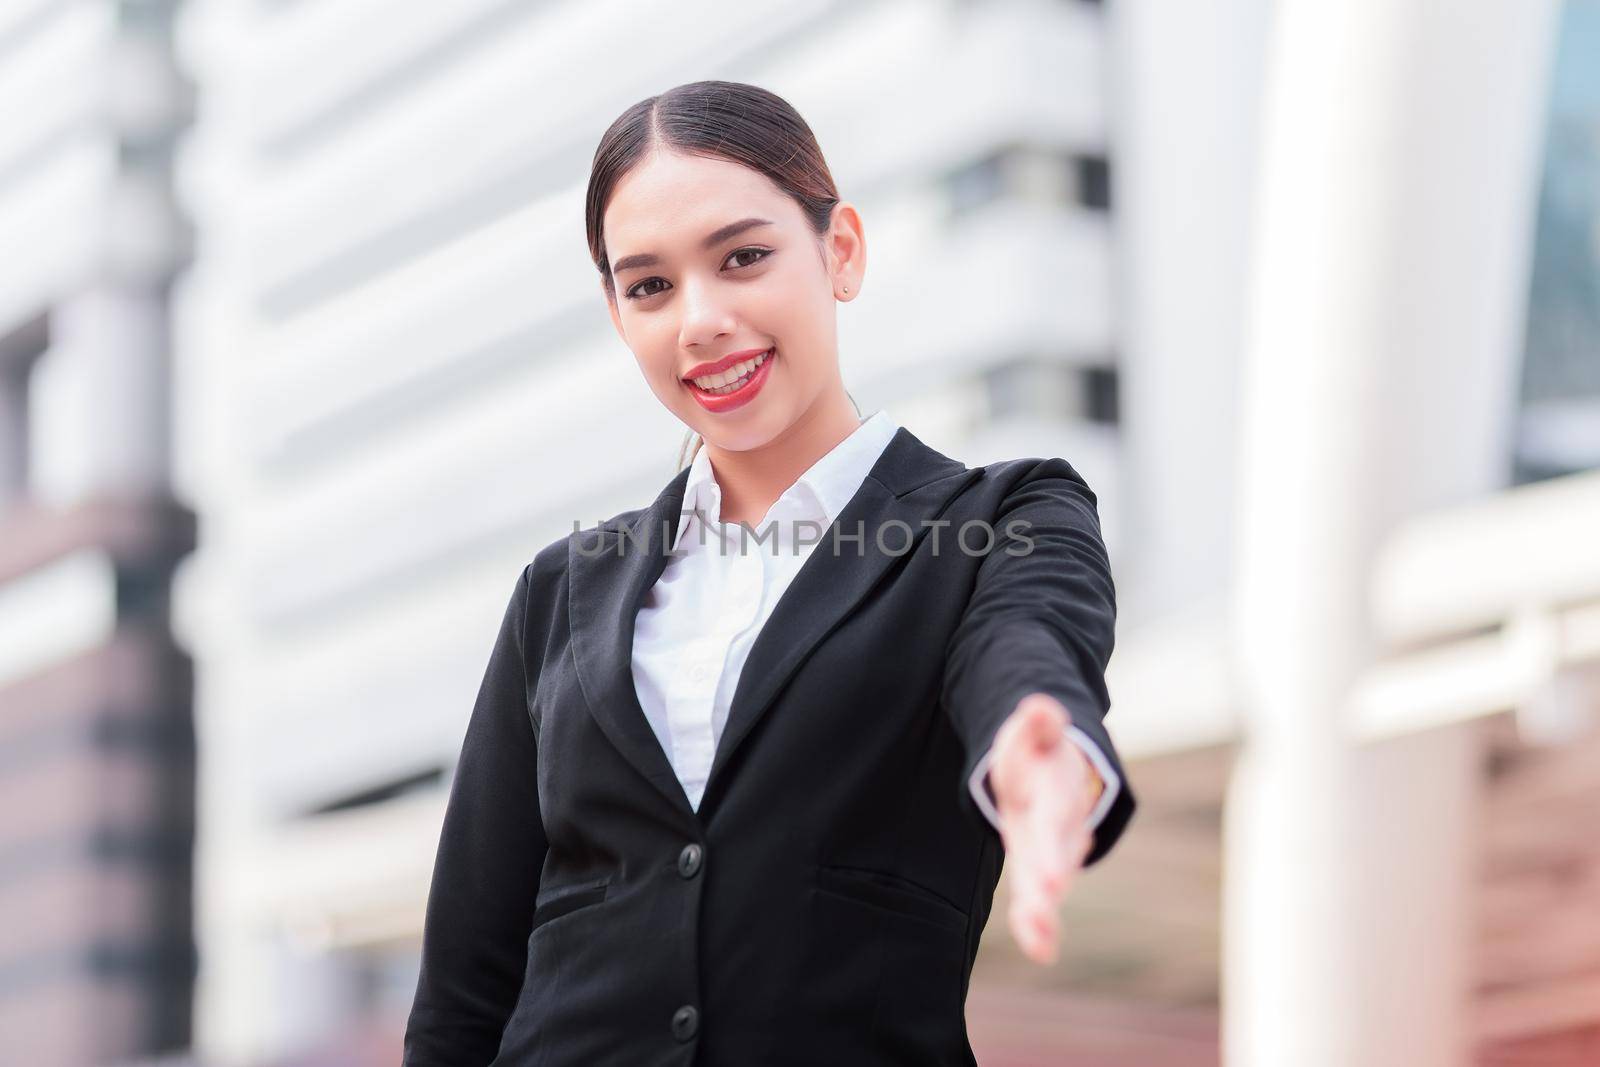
(751, 481)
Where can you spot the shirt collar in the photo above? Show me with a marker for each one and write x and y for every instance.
(820, 493)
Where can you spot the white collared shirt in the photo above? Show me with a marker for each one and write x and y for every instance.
(697, 624)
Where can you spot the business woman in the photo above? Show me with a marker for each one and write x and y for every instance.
(745, 761)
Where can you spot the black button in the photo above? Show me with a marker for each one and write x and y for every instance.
(685, 1021)
(689, 860)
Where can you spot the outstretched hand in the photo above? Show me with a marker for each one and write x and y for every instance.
(1044, 788)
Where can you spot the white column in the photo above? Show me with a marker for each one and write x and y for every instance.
(101, 417)
(1186, 78)
(1389, 266)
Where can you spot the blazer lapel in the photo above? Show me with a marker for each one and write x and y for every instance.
(613, 565)
(609, 570)
(909, 483)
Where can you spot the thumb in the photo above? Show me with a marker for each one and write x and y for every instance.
(1040, 720)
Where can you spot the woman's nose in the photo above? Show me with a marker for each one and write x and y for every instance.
(706, 314)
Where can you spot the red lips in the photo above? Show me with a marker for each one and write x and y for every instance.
(721, 403)
(700, 370)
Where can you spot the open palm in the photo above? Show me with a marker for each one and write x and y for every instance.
(1044, 789)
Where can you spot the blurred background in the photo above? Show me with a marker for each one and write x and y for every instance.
(292, 290)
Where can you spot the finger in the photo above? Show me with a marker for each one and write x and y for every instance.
(1034, 927)
(1030, 944)
(1034, 913)
(1023, 888)
(1070, 849)
(1077, 847)
(1032, 924)
(1047, 841)
(1021, 868)
(1036, 835)
(1034, 909)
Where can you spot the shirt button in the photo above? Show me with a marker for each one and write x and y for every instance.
(689, 860)
(685, 1021)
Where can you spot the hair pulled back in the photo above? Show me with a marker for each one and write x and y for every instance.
(719, 119)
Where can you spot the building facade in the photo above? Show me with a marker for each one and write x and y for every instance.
(97, 740)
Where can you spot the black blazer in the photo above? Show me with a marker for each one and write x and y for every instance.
(824, 903)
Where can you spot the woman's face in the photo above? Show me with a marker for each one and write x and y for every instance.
(697, 281)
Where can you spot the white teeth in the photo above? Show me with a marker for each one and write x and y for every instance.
(732, 378)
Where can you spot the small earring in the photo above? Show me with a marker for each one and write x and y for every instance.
(847, 288)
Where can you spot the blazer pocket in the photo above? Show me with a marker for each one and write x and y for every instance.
(892, 892)
(568, 900)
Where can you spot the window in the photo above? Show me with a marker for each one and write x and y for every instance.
(1558, 409)
(20, 350)
(1032, 172)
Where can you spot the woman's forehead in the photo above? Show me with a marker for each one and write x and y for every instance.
(678, 200)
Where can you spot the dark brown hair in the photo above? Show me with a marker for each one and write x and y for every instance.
(721, 120)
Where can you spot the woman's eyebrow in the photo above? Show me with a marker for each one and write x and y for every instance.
(712, 239)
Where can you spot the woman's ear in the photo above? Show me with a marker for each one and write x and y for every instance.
(847, 243)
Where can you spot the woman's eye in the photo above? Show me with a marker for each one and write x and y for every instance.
(763, 253)
(638, 291)
(635, 292)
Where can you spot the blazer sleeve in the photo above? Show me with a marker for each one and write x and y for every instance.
(1041, 618)
(486, 870)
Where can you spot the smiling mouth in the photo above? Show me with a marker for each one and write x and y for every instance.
(735, 378)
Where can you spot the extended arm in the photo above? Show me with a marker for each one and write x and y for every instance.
(1041, 619)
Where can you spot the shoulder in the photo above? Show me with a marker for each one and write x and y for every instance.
(547, 571)
(550, 561)
(540, 597)
(544, 575)
(548, 567)
(1009, 481)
